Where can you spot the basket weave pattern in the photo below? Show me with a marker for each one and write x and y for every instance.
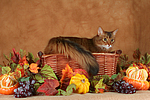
(107, 63)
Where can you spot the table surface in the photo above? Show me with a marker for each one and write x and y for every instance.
(139, 95)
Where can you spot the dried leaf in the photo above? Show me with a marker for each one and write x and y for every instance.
(116, 77)
(23, 61)
(16, 56)
(39, 78)
(25, 79)
(16, 74)
(122, 60)
(6, 70)
(97, 78)
(30, 56)
(48, 72)
(145, 59)
(22, 53)
(13, 66)
(100, 86)
(137, 54)
(48, 87)
(82, 72)
(21, 69)
(99, 90)
(45, 73)
(106, 79)
(69, 90)
(66, 73)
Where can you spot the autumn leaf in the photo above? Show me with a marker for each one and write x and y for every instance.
(97, 78)
(99, 90)
(23, 61)
(69, 90)
(100, 86)
(137, 54)
(48, 72)
(48, 87)
(21, 69)
(145, 59)
(116, 77)
(6, 69)
(82, 72)
(45, 73)
(16, 74)
(66, 73)
(16, 56)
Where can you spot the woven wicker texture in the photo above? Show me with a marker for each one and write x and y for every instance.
(107, 63)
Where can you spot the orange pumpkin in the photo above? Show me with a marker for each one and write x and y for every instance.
(8, 84)
(138, 84)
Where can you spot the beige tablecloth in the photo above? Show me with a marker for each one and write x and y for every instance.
(140, 95)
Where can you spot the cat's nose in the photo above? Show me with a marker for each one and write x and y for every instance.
(109, 45)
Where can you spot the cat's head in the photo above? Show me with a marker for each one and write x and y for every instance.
(105, 39)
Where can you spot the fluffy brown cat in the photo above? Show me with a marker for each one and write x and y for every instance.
(81, 49)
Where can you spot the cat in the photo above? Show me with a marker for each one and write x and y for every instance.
(81, 49)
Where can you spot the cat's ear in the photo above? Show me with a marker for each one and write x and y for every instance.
(100, 31)
(115, 31)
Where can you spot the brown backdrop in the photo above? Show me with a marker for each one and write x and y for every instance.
(29, 24)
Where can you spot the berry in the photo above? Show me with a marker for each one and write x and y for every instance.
(123, 87)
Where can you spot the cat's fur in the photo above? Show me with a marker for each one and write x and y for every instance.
(81, 49)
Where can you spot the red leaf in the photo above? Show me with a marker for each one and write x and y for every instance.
(48, 87)
(82, 72)
(23, 61)
(100, 91)
(16, 57)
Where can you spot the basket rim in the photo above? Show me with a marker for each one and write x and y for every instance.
(106, 54)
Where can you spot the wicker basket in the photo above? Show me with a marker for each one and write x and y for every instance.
(107, 63)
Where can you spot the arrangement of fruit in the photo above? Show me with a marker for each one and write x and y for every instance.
(25, 76)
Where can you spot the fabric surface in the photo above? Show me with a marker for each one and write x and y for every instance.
(140, 95)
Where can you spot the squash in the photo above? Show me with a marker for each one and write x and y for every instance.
(138, 84)
(136, 73)
(137, 77)
(8, 84)
(81, 82)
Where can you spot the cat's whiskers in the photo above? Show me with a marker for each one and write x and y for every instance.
(105, 46)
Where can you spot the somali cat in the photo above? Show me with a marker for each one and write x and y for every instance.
(81, 49)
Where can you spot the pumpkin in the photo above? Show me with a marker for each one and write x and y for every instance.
(81, 82)
(138, 84)
(137, 77)
(8, 84)
(136, 73)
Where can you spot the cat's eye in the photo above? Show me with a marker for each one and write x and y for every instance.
(104, 39)
(112, 40)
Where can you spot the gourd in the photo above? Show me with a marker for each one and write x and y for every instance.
(138, 84)
(136, 73)
(81, 82)
(137, 77)
(8, 84)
